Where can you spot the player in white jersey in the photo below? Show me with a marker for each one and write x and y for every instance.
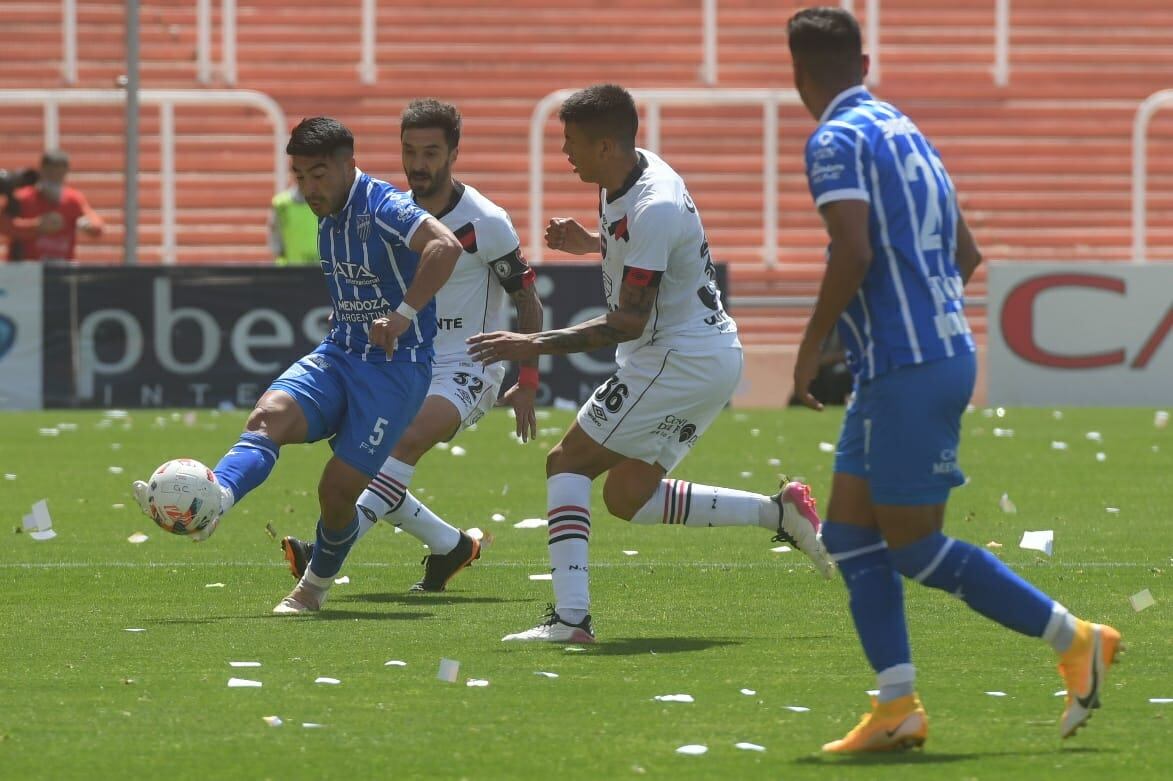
(489, 273)
(679, 362)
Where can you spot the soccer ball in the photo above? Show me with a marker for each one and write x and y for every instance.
(183, 496)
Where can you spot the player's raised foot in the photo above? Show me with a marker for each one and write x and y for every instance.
(439, 568)
(799, 523)
(142, 495)
(891, 726)
(297, 554)
(554, 630)
(305, 598)
(1084, 667)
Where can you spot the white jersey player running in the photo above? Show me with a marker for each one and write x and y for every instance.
(490, 271)
(679, 362)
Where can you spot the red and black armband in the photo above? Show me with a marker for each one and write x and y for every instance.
(641, 277)
(513, 272)
(527, 377)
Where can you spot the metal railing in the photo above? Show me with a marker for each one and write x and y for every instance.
(227, 41)
(1140, 159)
(166, 100)
(653, 100)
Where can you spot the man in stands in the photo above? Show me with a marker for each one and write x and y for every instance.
(49, 214)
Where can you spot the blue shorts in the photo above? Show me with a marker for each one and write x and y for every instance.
(902, 431)
(364, 406)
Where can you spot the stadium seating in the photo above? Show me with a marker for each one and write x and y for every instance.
(1043, 164)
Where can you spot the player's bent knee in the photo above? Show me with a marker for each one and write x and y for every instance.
(278, 417)
(623, 498)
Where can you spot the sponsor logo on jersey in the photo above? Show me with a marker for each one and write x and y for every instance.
(362, 226)
(467, 236)
(674, 426)
(618, 229)
(354, 273)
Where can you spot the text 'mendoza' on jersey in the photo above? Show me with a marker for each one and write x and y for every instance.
(909, 309)
(649, 227)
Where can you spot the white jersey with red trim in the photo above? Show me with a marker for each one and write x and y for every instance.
(651, 223)
(474, 299)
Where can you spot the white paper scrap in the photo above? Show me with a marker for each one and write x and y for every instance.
(1161, 418)
(9, 476)
(213, 585)
(996, 694)
(48, 432)
(1058, 445)
(497, 517)
(692, 749)
(312, 725)
(244, 664)
(48, 534)
(826, 447)
(1007, 504)
(797, 708)
(395, 663)
(1112, 510)
(530, 523)
(1004, 433)
(1161, 700)
(342, 581)
(272, 721)
(118, 506)
(630, 553)
(674, 698)
(774, 462)
(1061, 693)
(457, 450)
(1000, 412)
(542, 576)
(1142, 599)
(134, 629)
(137, 538)
(1057, 414)
(749, 692)
(243, 683)
(749, 746)
(324, 679)
(754, 432)
(449, 668)
(1094, 436)
(1041, 541)
(573, 649)
(476, 682)
(545, 674)
(747, 474)
(781, 549)
(114, 470)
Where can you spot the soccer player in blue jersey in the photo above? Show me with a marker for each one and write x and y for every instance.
(899, 255)
(384, 259)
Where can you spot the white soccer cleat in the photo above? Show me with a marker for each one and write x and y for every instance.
(305, 598)
(799, 523)
(142, 495)
(554, 630)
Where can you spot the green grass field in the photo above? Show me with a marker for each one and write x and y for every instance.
(706, 612)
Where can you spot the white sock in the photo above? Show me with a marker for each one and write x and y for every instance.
(387, 497)
(316, 581)
(896, 682)
(568, 499)
(693, 504)
(1060, 630)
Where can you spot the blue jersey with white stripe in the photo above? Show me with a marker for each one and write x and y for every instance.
(369, 266)
(909, 309)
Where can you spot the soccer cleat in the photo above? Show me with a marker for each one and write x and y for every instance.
(305, 598)
(439, 568)
(142, 495)
(298, 554)
(798, 524)
(1084, 667)
(554, 630)
(891, 726)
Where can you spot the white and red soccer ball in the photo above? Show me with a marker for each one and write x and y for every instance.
(183, 496)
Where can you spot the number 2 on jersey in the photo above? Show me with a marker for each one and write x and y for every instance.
(930, 227)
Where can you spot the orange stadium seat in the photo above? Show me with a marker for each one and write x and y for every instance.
(1043, 165)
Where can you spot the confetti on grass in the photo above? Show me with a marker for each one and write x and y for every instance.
(138, 538)
(530, 523)
(749, 746)
(1041, 541)
(674, 698)
(692, 749)
(243, 683)
(244, 664)
(1141, 600)
(324, 679)
(395, 663)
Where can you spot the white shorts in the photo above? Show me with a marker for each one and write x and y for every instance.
(468, 386)
(656, 406)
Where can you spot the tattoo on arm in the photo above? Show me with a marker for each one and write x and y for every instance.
(621, 325)
(529, 313)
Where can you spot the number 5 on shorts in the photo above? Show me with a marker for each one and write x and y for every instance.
(377, 436)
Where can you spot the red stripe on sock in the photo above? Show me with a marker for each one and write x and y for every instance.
(569, 526)
(569, 508)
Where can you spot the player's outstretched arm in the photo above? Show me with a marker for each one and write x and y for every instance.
(637, 297)
(850, 257)
(438, 250)
(969, 257)
(567, 235)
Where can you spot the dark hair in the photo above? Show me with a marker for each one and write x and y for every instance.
(603, 110)
(319, 137)
(54, 157)
(827, 43)
(424, 113)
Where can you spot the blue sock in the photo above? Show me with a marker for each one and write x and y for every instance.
(331, 548)
(977, 577)
(246, 464)
(877, 598)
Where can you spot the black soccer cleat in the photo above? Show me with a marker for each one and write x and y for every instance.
(298, 554)
(439, 568)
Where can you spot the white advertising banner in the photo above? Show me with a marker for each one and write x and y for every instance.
(1081, 334)
(20, 335)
